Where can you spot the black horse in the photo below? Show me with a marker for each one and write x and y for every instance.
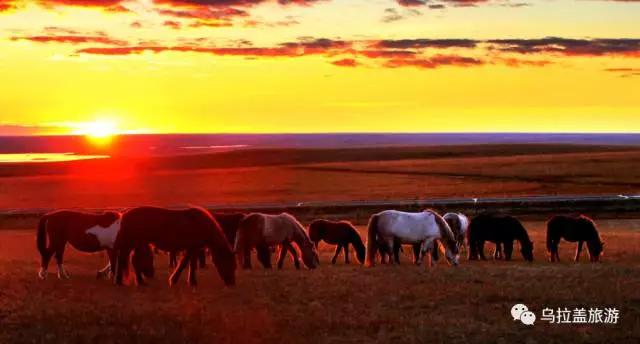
(501, 230)
(574, 229)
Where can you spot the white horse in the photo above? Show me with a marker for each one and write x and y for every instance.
(391, 228)
(459, 224)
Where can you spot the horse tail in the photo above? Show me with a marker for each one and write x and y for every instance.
(372, 240)
(41, 236)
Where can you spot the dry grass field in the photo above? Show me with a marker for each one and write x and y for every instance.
(343, 304)
(273, 176)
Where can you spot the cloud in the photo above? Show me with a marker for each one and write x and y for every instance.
(435, 62)
(393, 15)
(570, 47)
(625, 72)
(108, 5)
(417, 53)
(345, 63)
(424, 43)
(72, 39)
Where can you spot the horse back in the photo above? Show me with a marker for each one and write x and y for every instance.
(166, 228)
(72, 226)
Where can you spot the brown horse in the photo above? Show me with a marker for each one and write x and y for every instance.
(229, 224)
(263, 231)
(341, 233)
(189, 230)
(86, 232)
(573, 229)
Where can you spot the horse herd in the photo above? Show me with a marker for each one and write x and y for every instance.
(133, 236)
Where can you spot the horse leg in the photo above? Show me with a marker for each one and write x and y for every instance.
(173, 259)
(44, 264)
(335, 256)
(497, 253)
(435, 251)
(263, 254)
(183, 263)
(508, 250)
(578, 251)
(122, 262)
(202, 258)
(283, 255)
(246, 259)
(193, 267)
(481, 250)
(104, 272)
(396, 251)
(416, 253)
(294, 255)
(59, 252)
(346, 253)
(473, 250)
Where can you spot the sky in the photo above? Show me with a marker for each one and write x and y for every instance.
(257, 66)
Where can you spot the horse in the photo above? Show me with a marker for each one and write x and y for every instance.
(459, 224)
(262, 231)
(501, 230)
(189, 230)
(341, 233)
(229, 224)
(573, 229)
(86, 232)
(391, 228)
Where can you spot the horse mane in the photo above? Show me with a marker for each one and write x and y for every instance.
(298, 226)
(445, 229)
(591, 225)
(521, 230)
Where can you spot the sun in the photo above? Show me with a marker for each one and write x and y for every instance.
(98, 131)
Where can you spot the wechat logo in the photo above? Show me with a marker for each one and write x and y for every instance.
(520, 312)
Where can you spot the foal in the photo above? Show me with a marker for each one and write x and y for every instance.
(341, 233)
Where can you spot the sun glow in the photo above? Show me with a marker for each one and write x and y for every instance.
(98, 131)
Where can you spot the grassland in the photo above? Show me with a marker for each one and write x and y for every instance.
(344, 304)
(295, 175)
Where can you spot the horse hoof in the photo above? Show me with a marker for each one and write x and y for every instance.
(42, 275)
(64, 276)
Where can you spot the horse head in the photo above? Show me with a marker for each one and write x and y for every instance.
(310, 256)
(595, 249)
(526, 248)
(451, 251)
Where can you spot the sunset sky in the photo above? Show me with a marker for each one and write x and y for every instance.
(319, 66)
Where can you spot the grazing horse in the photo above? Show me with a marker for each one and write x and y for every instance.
(340, 233)
(189, 230)
(87, 233)
(262, 231)
(573, 229)
(391, 228)
(501, 230)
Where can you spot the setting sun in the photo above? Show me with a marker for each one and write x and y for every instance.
(98, 131)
